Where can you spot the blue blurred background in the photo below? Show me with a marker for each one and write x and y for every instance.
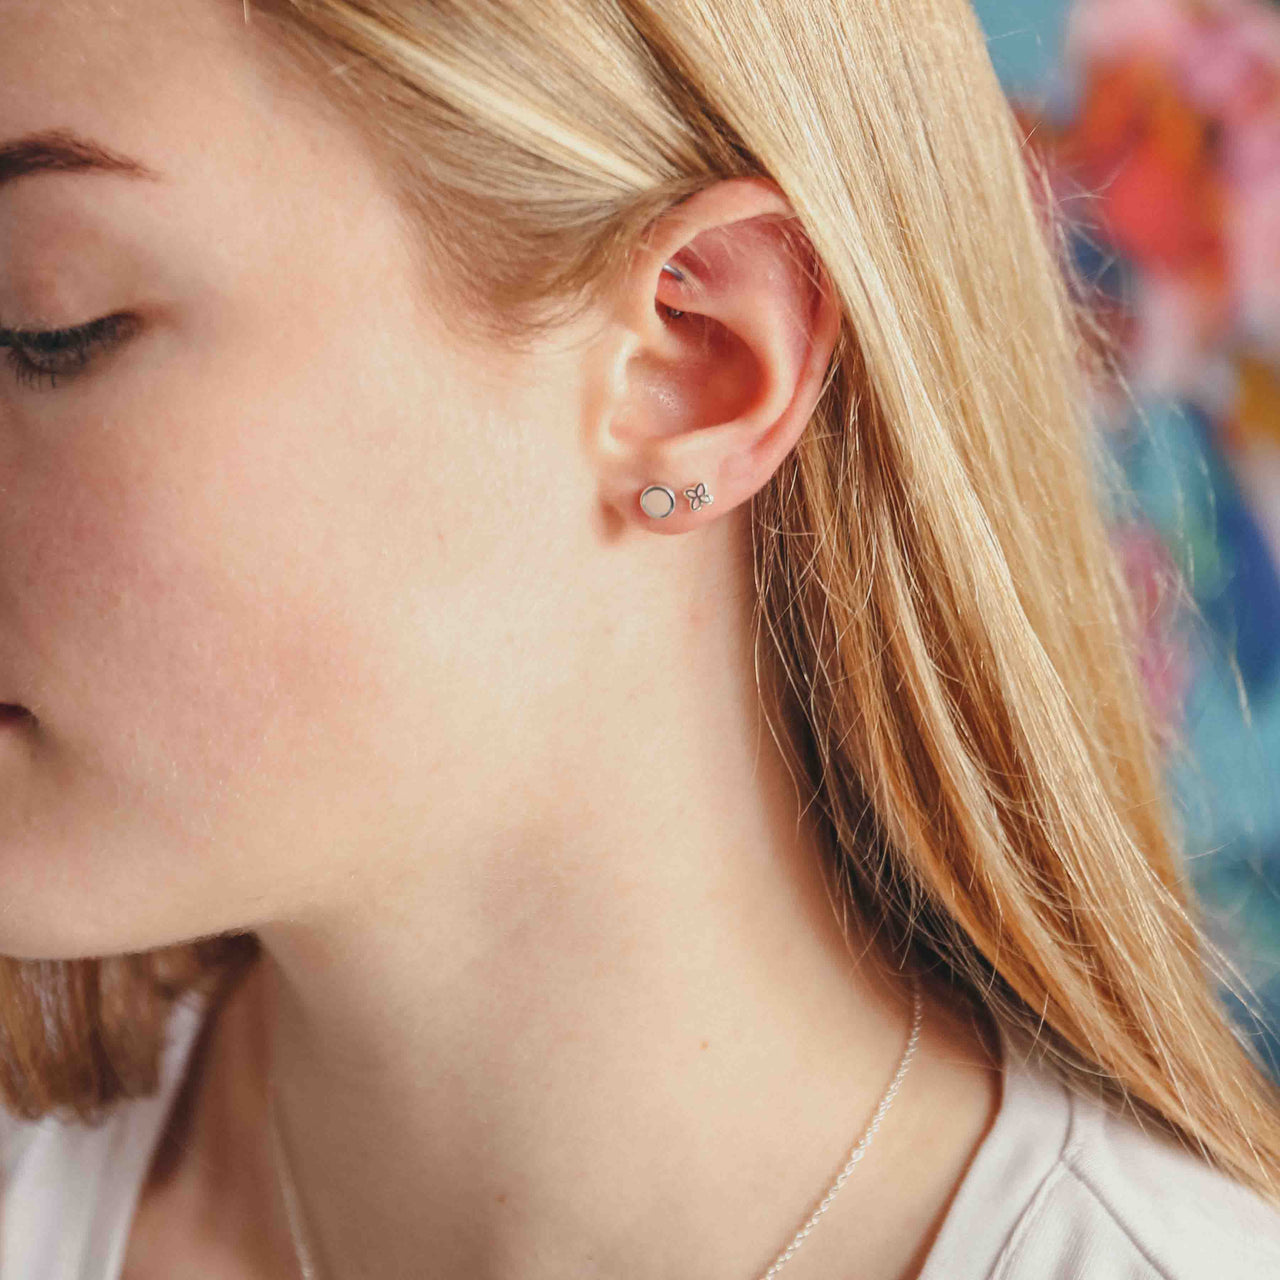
(1160, 122)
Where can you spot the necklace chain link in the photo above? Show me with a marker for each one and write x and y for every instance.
(310, 1271)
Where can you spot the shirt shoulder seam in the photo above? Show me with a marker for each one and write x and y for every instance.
(1088, 1183)
(1065, 1166)
(1100, 1200)
(1053, 1175)
(1077, 1135)
(1013, 1246)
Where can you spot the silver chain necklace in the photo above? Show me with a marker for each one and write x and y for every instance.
(310, 1271)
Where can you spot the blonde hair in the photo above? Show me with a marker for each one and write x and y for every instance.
(939, 600)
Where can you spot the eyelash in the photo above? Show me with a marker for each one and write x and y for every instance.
(68, 350)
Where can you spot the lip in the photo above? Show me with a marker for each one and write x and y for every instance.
(13, 713)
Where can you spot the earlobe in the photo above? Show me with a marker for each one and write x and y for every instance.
(658, 501)
(727, 346)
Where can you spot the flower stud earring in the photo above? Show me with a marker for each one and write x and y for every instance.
(698, 496)
(659, 502)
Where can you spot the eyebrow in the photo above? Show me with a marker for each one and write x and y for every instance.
(62, 151)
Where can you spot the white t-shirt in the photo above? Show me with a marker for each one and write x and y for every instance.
(1060, 1189)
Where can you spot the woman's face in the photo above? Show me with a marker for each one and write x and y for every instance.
(285, 572)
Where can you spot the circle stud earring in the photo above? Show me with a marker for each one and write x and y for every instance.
(658, 501)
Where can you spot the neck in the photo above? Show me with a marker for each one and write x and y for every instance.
(619, 1071)
(625, 1036)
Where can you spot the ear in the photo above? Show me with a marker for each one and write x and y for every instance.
(712, 377)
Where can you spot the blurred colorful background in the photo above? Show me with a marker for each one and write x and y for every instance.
(1160, 124)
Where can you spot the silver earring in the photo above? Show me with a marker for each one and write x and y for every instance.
(698, 496)
(658, 501)
(678, 275)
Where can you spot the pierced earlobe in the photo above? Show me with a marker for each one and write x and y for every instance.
(657, 501)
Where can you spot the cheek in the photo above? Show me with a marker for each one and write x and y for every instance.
(262, 610)
(202, 639)
(197, 714)
(159, 636)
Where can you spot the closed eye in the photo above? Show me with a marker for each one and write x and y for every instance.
(35, 355)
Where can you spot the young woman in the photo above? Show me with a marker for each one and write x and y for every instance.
(571, 710)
